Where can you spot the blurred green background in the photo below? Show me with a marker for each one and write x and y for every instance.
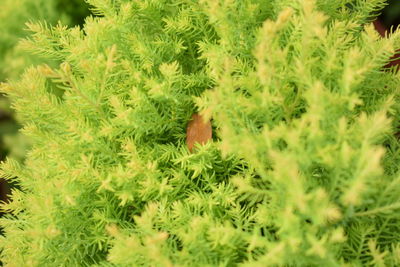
(391, 14)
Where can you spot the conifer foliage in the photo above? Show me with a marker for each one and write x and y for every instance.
(13, 16)
(302, 169)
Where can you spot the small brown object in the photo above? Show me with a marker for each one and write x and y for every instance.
(198, 131)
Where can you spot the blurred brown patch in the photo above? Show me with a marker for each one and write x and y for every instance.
(382, 30)
(198, 131)
(4, 190)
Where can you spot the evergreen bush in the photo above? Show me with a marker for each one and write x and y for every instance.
(13, 16)
(303, 168)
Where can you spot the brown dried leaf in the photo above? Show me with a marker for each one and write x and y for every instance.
(198, 131)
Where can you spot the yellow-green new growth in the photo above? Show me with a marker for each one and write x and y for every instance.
(303, 168)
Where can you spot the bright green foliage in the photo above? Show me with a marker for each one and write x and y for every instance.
(303, 168)
(13, 16)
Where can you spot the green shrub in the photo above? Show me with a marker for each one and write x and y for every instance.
(13, 16)
(303, 168)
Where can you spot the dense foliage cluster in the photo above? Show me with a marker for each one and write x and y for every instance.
(13, 16)
(303, 168)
